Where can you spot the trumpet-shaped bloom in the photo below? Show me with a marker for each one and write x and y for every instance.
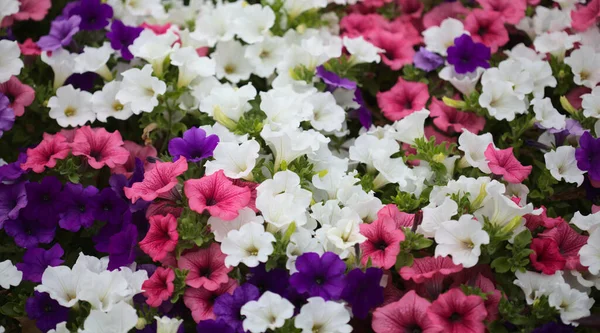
(407, 314)
(195, 145)
(462, 240)
(250, 245)
(140, 89)
(321, 276)
(157, 182)
(321, 315)
(161, 238)
(71, 107)
(382, 244)
(453, 311)
(502, 162)
(159, 287)
(201, 301)
(206, 267)
(269, 312)
(9, 275)
(100, 147)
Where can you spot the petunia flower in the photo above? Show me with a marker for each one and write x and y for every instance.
(397, 50)
(10, 60)
(217, 194)
(10, 172)
(212, 325)
(100, 147)
(46, 153)
(333, 80)
(19, 94)
(201, 301)
(227, 306)
(382, 244)
(326, 316)
(502, 162)
(29, 232)
(427, 60)
(80, 207)
(269, 312)
(159, 287)
(588, 155)
(136, 152)
(61, 33)
(161, 237)
(403, 99)
(430, 274)
(110, 207)
(46, 312)
(30, 48)
(363, 290)
(158, 182)
(467, 56)
(487, 27)
(319, 276)
(140, 90)
(586, 16)
(13, 198)
(511, 11)
(7, 115)
(451, 120)
(121, 247)
(122, 36)
(195, 145)
(206, 267)
(36, 260)
(462, 240)
(453, 311)
(34, 10)
(405, 315)
(94, 14)
(401, 219)
(546, 256)
(250, 245)
(442, 11)
(44, 201)
(9, 275)
(569, 243)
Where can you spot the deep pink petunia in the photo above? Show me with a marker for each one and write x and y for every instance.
(164, 207)
(200, 301)
(409, 314)
(47, 153)
(161, 237)
(400, 26)
(391, 293)
(569, 243)
(19, 94)
(135, 151)
(158, 182)
(34, 10)
(472, 278)
(574, 96)
(30, 48)
(252, 187)
(455, 312)
(402, 219)
(511, 11)
(217, 194)
(585, 16)
(206, 267)
(502, 162)
(487, 27)
(429, 274)
(445, 10)
(382, 244)
(546, 256)
(356, 25)
(398, 51)
(99, 146)
(450, 120)
(403, 99)
(159, 287)
(532, 221)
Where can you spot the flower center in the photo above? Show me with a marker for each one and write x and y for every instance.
(205, 271)
(96, 155)
(229, 69)
(264, 54)
(70, 111)
(150, 92)
(414, 329)
(211, 202)
(252, 250)
(117, 106)
(584, 75)
(455, 317)
(381, 245)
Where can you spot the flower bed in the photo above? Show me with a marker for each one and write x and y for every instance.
(303, 166)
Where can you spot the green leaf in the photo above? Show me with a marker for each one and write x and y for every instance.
(501, 265)
(404, 259)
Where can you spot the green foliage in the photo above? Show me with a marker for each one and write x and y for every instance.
(179, 283)
(408, 202)
(279, 256)
(193, 231)
(251, 123)
(412, 242)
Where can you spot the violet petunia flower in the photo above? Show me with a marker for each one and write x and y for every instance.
(44, 199)
(212, 325)
(36, 260)
(122, 36)
(319, 276)
(363, 290)
(46, 312)
(94, 14)
(29, 233)
(364, 115)
(334, 81)
(121, 247)
(194, 146)
(80, 207)
(12, 171)
(61, 34)
(554, 327)
(84, 81)
(467, 55)
(119, 181)
(111, 207)
(7, 115)
(275, 280)
(13, 198)
(102, 238)
(588, 156)
(227, 306)
(427, 60)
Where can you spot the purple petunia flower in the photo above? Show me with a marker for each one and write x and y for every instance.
(213, 326)
(102, 238)
(122, 36)
(588, 155)
(194, 146)
(121, 247)
(319, 276)
(61, 34)
(80, 207)
(36, 260)
(333, 80)
(46, 312)
(363, 290)
(275, 280)
(227, 306)
(84, 81)
(364, 115)
(427, 60)
(7, 115)
(110, 206)
(44, 199)
(466, 55)
(554, 327)
(118, 182)
(13, 171)
(30, 232)
(94, 14)
(12, 199)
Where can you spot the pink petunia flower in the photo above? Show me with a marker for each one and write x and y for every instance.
(52, 148)
(511, 11)
(20, 95)
(532, 221)
(445, 10)
(161, 237)
(472, 278)
(391, 293)
(409, 33)
(252, 187)
(574, 96)
(403, 99)
(429, 274)
(569, 243)
(411, 8)
(30, 48)
(159, 287)
(217, 194)
(502, 162)
(546, 256)
(207, 267)
(487, 27)
(409, 314)
(34, 10)
(585, 16)
(595, 209)
(164, 207)
(135, 151)
(157, 182)
(356, 25)
(156, 28)
(398, 51)
(402, 219)
(382, 244)
(200, 301)
(454, 311)
(100, 147)
(450, 120)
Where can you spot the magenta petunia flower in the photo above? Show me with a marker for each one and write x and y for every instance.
(403, 99)
(409, 314)
(487, 27)
(454, 311)
(34, 10)
(398, 50)
(511, 11)
(217, 194)
(429, 274)
(161, 238)
(382, 244)
(201, 301)
(502, 162)
(159, 287)
(100, 147)
(402, 219)
(52, 148)
(135, 151)
(439, 13)
(19, 94)
(450, 120)
(206, 267)
(583, 17)
(569, 243)
(158, 182)
(546, 256)
(532, 221)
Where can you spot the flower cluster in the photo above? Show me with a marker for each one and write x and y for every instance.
(299, 166)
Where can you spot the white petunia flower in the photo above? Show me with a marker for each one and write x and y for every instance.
(391, 170)
(165, 324)
(465, 83)
(433, 216)
(367, 148)
(411, 127)
(547, 115)
(344, 233)
(220, 228)
(590, 103)
(439, 38)
(585, 65)
(297, 7)
(71, 107)
(501, 211)
(121, 318)
(61, 283)
(319, 315)
(250, 245)
(501, 101)
(326, 114)
(269, 312)
(571, 303)
(556, 43)
(9, 275)
(254, 22)
(265, 56)
(563, 165)
(140, 89)
(589, 254)
(285, 108)
(287, 145)
(8, 7)
(462, 240)
(216, 25)
(94, 60)
(474, 146)
(301, 242)
(362, 51)
(228, 104)
(541, 74)
(10, 63)
(104, 290)
(587, 223)
(236, 160)
(105, 103)
(61, 62)
(231, 62)
(154, 48)
(191, 65)
(513, 72)
(536, 285)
